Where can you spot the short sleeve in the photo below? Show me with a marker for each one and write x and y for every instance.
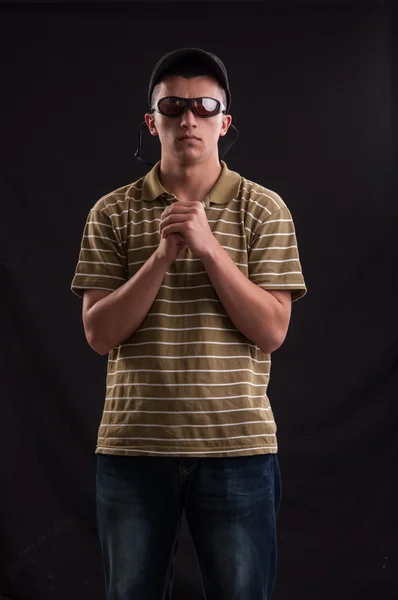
(102, 260)
(274, 262)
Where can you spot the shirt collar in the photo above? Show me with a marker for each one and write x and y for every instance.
(225, 188)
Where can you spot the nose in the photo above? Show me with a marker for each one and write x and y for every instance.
(188, 118)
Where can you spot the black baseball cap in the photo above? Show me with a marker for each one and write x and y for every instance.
(210, 62)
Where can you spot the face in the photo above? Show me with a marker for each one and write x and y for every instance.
(171, 129)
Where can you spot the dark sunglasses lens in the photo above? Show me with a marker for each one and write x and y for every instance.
(170, 106)
(206, 106)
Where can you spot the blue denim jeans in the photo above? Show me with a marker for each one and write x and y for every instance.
(230, 506)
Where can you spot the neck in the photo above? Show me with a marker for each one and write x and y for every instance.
(189, 182)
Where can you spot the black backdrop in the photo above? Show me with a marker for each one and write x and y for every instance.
(312, 95)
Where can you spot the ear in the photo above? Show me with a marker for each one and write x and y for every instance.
(226, 122)
(150, 121)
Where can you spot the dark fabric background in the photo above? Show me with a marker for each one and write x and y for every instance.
(312, 95)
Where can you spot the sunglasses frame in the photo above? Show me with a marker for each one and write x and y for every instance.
(189, 103)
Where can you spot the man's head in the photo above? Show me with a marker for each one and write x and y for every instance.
(188, 79)
(188, 71)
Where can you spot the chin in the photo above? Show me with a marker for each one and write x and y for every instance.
(189, 156)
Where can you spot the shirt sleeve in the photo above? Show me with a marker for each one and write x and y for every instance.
(102, 260)
(274, 262)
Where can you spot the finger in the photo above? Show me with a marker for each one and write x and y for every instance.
(179, 207)
(175, 218)
(174, 228)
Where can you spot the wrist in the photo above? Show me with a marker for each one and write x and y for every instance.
(161, 260)
(211, 253)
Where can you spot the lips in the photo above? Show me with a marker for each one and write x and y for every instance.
(188, 137)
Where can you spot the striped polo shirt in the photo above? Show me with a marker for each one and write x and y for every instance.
(187, 382)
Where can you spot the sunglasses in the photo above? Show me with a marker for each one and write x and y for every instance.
(172, 106)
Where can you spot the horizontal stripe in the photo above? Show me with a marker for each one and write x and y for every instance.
(123, 199)
(192, 343)
(291, 285)
(279, 274)
(182, 260)
(185, 329)
(251, 201)
(92, 262)
(215, 300)
(184, 371)
(186, 287)
(278, 221)
(185, 412)
(197, 260)
(100, 276)
(159, 219)
(132, 210)
(273, 234)
(169, 385)
(184, 452)
(162, 399)
(100, 250)
(198, 314)
(189, 426)
(100, 223)
(156, 233)
(162, 207)
(273, 248)
(100, 237)
(233, 437)
(254, 262)
(187, 356)
(260, 193)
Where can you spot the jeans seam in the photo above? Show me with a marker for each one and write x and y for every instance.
(175, 541)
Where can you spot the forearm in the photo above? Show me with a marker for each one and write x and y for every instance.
(254, 312)
(118, 315)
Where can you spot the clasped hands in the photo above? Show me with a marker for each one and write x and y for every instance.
(189, 219)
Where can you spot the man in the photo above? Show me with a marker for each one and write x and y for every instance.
(187, 277)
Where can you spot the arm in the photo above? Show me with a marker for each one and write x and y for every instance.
(261, 316)
(109, 318)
